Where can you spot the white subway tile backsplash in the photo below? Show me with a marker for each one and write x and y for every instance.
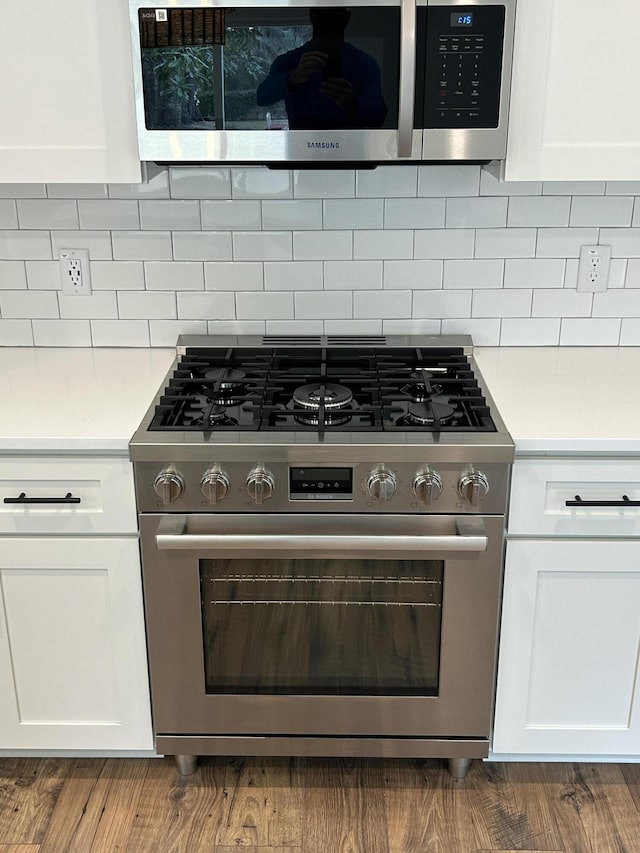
(412, 275)
(234, 275)
(121, 333)
(589, 332)
(501, 303)
(485, 333)
(16, 333)
(23, 190)
(202, 246)
(195, 182)
(207, 305)
(414, 212)
(476, 212)
(345, 213)
(336, 305)
(101, 305)
(294, 327)
(391, 245)
(117, 275)
(231, 214)
(561, 303)
(293, 275)
(264, 306)
(43, 275)
(564, 242)
(505, 243)
(491, 185)
(523, 332)
(8, 213)
(353, 275)
(116, 214)
(624, 242)
(322, 245)
(629, 333)
(573, 188)
(298, 214)
(260, 182)
(387, 182)
(538, 211)
(134, 305)
(139, 246)
(236, 327)
(174, 275)
(636, 213)
(447, 181)
(164, 333)
(77, 191)
(157, 187)
(411, 327)
(25, 245)
(601, 211)
(623, 188)
(13, 275)
(534, 272)
(353, 327)
(444, 243)
(391, 304)
(441, 304)
(262, 245)
(62, 333)
(28, 304)
(170, 215)
(617, 303)
(47, 213)
(325, 183)
(633, 273)
(97, 243)
(471, 274)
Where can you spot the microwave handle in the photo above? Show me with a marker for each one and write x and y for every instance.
(407, 77)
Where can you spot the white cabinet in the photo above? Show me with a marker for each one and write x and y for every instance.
(569, 661)
(66, 96)
(73, 670)
(573, 113)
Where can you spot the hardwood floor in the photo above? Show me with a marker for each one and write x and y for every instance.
(51, 805)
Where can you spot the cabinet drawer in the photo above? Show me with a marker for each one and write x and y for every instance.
(541, 487)
(104, 487)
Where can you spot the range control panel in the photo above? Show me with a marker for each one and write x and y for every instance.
(464, 66)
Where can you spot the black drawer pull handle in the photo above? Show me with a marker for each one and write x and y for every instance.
(23, 499)
(624, 502)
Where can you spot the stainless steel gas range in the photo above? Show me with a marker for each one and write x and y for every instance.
(322, 524)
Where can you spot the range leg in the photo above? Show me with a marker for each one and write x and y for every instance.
(458, 767)
(187, 764)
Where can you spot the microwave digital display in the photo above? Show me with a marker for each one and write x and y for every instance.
(458, 20)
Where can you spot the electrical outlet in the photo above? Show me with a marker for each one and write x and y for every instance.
(75, 273)
(593, 269)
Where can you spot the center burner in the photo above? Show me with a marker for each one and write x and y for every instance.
(326, 403)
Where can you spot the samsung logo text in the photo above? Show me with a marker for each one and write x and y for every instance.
(323, 145)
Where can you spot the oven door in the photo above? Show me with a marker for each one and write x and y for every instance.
(331, 626)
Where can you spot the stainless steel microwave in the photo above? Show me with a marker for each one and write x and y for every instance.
(310, 83)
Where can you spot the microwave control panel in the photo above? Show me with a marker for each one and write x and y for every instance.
(464, 66)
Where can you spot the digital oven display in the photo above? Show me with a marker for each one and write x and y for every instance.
(458, 20)
(320, 484)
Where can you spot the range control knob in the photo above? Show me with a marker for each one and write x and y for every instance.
(260, 485)
(168, 485)
(382, 485)
(473, 487)
(214, 485)
(427, 486)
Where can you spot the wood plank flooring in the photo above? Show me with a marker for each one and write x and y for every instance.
(282, 805)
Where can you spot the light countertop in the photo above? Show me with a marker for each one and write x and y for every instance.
(566, 399)
(76, 400)
(552, 399)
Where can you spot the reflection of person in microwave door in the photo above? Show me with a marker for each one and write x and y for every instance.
(326, 83)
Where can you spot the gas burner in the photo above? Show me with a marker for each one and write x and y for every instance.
(430, 413)
(225, 377)
(217, 416)
(335, 399)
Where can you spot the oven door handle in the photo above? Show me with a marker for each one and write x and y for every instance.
(470, 537)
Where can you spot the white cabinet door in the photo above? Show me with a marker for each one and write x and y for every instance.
(573, 113)
(568, 673)
(73, 671)
(66, 96)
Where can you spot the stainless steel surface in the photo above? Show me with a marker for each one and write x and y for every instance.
(327, 536)
(214, 485)
(458, 767)
(407, 77)
(260, 485)
(187, 764)
(169, 486)
(473, 487)
(382, 485)
(371, 145)
(427, 486)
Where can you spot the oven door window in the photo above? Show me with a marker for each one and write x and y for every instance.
(270, 68)
(324, 627)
